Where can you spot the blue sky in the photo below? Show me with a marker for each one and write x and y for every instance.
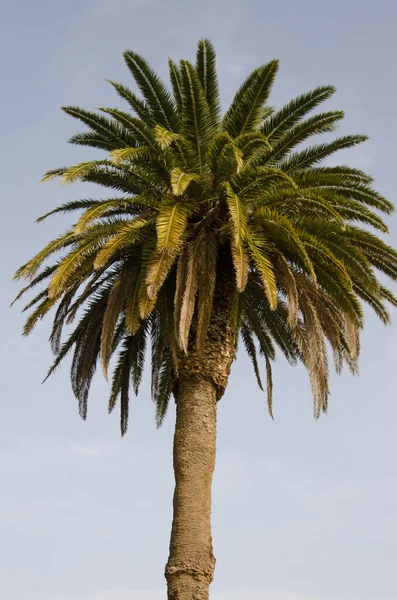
(303, 510)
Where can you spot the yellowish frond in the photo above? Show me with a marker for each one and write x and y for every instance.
(238, 213)
(241, 263)
(128, 235)
(181, 180)
(125, 154)
(171, 224)
(164, 137)
(79, 171)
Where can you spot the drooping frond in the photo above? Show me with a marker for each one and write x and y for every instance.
(189, 297)
(238, 213)
(250, 347)
(208, 252)
(264, 267)
(114, 307)
(60, 243)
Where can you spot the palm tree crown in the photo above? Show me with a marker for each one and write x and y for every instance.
(196, 191)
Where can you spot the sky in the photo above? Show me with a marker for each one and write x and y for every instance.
(302, 510)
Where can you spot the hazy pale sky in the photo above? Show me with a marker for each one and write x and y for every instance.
(302, 510)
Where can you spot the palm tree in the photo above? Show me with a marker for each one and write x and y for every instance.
(219, 231)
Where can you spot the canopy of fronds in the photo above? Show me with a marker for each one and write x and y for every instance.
(183, 183)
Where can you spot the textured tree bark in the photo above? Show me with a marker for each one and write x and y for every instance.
(201, 383)
(190, 568)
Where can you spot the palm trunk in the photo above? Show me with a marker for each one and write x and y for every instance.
(191, 564)
(201, 383)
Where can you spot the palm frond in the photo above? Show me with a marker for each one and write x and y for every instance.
(321, 123)
(246, 110)
(137, 105)
(314, 154)
(153, 90)
(175, 78)
(206, 281)
(180, 181)
(114, 306)
(206, 70)
(189, 298)
(263, 264)
(215, 225)
(171, 223)
(129, 234)
(197, 126)
(280, 122)
(250, 347)
(238, 213)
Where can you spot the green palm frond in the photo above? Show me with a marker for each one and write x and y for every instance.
(246, 111)
(225, 157)
(197, 125)
(259, 252)
(164, 137)
(138, 129)
(92, 139)
(282, 121)
(153, 90)
(249, 343)
(114, 307)
(68, 207)
(206, 70)
(218, 227)
(313, 155)
(107, 128)
(137, 105)
(96, 211)
(321, 123)
(65, 274)
(175, 78)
